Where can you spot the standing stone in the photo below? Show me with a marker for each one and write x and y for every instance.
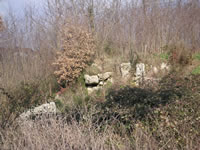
(140, 70)
(140, 73)
(125, 70)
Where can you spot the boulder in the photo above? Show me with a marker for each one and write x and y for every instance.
(125, 70)
(92, 89)
(91, 80)
(49, 108)
(105, 76)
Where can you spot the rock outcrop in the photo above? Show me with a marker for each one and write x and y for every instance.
(49, 108)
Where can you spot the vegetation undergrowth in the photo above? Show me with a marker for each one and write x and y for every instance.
(166, 116)
(97, 37)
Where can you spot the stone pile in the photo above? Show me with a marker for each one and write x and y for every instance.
(96, 82)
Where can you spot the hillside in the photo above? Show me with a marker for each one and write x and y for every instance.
(99, 75)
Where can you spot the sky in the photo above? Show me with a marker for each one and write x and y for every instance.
(16, 6)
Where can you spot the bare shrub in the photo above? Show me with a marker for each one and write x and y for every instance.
(1, 24)
(58, 133)
(77, 48)
(180, 54)
(14, 101)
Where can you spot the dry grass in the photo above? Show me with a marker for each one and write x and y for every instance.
(56, 133)
(162, 117)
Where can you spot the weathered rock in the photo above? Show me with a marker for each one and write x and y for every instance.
(101, 83)
(49, 108)
(140, 70)
(91, 80)
(110, 80)
(92, 89)
(164, 66)
(125, 70)
(105, 76)
(155, 70)
(140, 73)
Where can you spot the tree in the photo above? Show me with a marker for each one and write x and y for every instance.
(77, 50)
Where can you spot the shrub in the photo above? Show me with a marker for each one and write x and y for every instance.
(197, 56)
(15, 101)
(180, 55)
(196, 71)
(164, 56)
(1, 24)
(77, 51)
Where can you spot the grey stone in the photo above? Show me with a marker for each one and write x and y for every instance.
(125, 70)
(105, 76)
(92, 89)
(140, 73)
(140, 70)
(49, 108)
(101, 83)
(164, 66)
(91, 80)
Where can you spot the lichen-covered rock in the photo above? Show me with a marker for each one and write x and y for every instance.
(125, 70)
(91, 80)
(49, 108)
(105, 76)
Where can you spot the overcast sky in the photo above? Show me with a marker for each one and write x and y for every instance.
(16, 5)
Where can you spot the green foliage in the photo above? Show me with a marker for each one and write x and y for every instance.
(98, 93)
(197, 56)
(81, 80)
(78, 100)
(196, 71)
(164, 56)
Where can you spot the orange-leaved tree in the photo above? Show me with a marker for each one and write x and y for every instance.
(78, 47)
